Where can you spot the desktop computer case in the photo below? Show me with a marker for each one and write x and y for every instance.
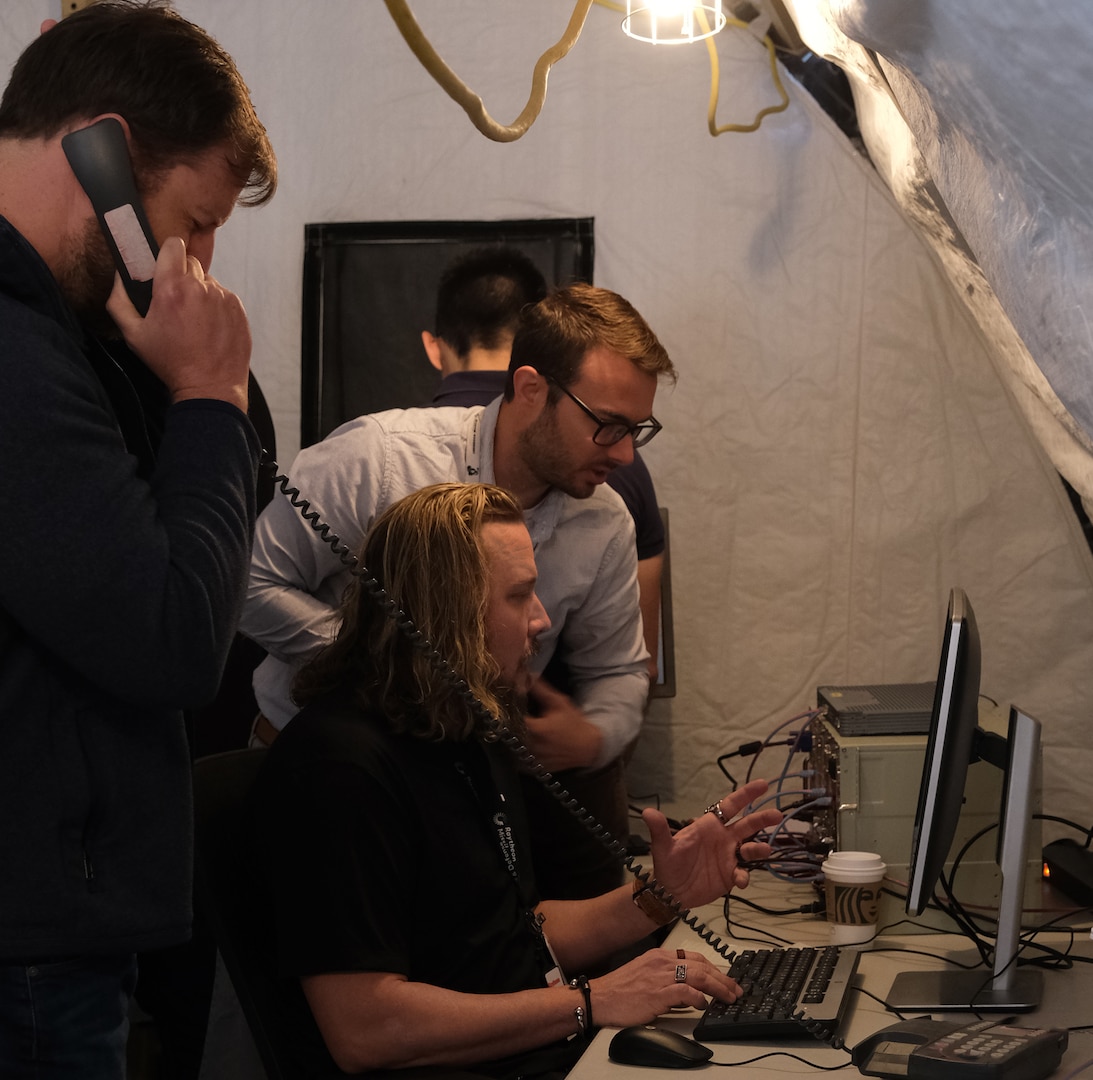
(873, 782)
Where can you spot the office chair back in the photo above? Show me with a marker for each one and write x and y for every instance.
(227, 895)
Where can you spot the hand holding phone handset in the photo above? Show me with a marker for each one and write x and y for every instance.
(196, 339)
(699, 864)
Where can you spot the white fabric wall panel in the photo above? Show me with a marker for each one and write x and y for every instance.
(968, 111)
(838, 451)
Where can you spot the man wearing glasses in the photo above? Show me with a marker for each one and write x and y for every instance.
(578, 400)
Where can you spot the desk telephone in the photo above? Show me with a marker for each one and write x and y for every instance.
(949, 1050)
(99, 157)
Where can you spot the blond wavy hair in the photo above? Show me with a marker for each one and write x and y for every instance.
(426, 552)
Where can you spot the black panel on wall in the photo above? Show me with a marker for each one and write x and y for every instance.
(369, 291)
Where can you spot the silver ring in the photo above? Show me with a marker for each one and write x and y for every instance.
(717, 812)
(681, 972)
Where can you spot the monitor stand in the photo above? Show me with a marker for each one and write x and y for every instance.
(1008, 988)
(944, 991)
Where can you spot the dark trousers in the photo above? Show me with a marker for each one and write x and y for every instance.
(66, 1019)
(175, 989)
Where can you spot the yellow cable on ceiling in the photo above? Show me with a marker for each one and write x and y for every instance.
(715, 86)
(463, 96)
(474, 107)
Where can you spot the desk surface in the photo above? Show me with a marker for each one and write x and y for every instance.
(1068, 995)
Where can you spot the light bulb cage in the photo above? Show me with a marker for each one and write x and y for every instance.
(645, 21)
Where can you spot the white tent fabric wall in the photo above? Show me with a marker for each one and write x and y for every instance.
(971, 113)
(839, 449)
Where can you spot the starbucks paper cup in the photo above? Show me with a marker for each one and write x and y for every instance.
(852, 884)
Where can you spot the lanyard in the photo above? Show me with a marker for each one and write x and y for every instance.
(493, 803)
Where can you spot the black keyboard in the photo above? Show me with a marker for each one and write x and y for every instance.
(778, 983)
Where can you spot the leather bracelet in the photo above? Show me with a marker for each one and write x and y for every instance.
(583, 1014)
(650, 905)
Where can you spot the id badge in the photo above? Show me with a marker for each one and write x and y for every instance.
(554, 977)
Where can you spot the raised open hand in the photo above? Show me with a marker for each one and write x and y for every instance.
(702, 861)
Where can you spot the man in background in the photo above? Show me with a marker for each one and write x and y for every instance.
(478, 305)
(129, 472)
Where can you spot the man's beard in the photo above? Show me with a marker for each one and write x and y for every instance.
(514, 706)
(86, 278)
(513, 696)
(543, 452)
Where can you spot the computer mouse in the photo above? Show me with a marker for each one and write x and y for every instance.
(658, 1048)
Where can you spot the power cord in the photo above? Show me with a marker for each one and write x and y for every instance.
(796, 857)
(786, 1053)
(817, 907)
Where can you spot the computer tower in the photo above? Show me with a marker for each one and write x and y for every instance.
(873, 783)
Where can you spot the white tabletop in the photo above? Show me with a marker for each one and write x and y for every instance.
(1067, 1001)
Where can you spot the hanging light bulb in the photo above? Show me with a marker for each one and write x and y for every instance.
(672, 22)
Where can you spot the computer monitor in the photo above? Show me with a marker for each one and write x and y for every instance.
(954, 742)
(949, 752)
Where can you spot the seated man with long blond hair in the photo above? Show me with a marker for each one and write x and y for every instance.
(391, 834)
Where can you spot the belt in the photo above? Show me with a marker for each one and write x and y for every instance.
(263, 731)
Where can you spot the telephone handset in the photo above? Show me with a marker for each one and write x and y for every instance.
(99, 157)
(950, 1050)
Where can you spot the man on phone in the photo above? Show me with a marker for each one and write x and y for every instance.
(129, 473)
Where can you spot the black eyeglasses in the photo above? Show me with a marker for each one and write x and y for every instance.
(609, 432)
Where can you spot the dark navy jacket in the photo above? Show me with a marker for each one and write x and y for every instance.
(124, 546)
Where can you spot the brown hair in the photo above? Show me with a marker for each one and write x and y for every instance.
(178, 90)
(555, 334)
(426, 551)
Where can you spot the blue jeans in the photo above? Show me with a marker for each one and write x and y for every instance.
(66, 1019)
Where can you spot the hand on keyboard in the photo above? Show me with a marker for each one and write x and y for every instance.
(778, 985)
